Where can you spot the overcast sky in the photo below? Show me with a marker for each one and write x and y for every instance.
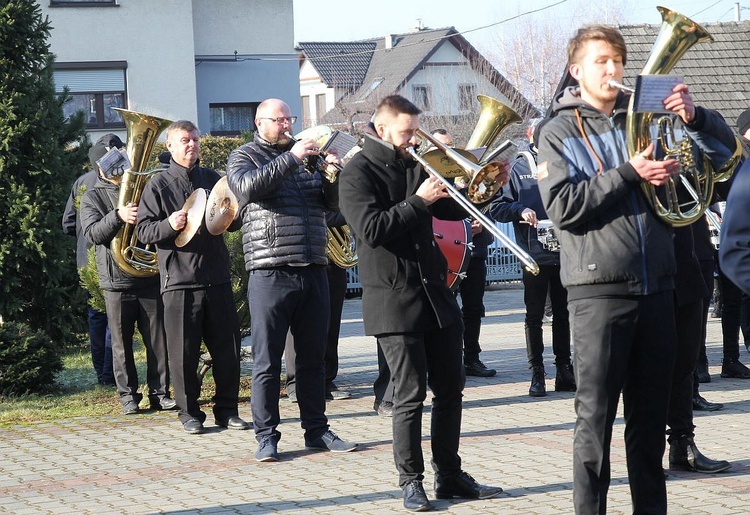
(348, 20)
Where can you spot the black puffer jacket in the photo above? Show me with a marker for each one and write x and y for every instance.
(283, 206)
(100, 224)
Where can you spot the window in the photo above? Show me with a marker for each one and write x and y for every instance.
(82, 3)
(96, 89)
(305, 112)
(421, 96)
(230, 119)
(466, 96)
(320, 106)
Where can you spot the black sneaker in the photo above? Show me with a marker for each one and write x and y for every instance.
(130, 408)
(384, 409)
(474, 367)
(334, 394)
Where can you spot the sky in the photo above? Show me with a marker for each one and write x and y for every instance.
(480, 21)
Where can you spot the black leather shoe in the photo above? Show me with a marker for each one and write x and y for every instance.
(733, 368)
(164, 404)
(414, 497)
(193, 427)
(684, 455)
(537, 388)
(474, 367)
(465, 487)
(565, 380)
(701, 368)
(701, 404)
(233, 422)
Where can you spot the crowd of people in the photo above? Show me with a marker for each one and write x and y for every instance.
(629, 293)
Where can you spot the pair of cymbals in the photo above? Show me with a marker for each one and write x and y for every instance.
(217, 209)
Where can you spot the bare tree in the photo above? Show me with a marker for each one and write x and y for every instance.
(532, 53)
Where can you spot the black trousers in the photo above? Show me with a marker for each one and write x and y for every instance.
(690, 330)
(383, 385)
(733, 302)
(125, 309)
(416, 360)
(208, 315)
(284, 299)
(623, 344)
(337, 293)
(535, 288)
(471, 291)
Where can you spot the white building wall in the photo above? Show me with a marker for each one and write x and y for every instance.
(247, 26)
(311, 85)
(446, 69)
(154, 37)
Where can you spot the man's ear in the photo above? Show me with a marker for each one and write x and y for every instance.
(575, 71)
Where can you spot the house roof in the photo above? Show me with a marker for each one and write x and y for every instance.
(390, 68)
(717, 73)
(340, 64)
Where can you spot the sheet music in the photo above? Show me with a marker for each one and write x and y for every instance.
(341, 142)
(651, 90)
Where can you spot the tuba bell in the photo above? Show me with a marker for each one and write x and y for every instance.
(142, 132)
(677, 34)
(480, 175)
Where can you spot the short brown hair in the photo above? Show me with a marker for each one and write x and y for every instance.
(588, 33)
(182, 125)
(395, 105)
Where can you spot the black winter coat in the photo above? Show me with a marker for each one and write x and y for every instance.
(204, 261)
(100, 224)
(402, 271)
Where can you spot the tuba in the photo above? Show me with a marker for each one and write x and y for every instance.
(677, 34)
(143, 131)
(480, 175)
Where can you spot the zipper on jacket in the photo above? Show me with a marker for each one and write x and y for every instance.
(634, 203)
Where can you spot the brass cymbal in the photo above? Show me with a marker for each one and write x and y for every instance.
(221, 208)
(195, 205)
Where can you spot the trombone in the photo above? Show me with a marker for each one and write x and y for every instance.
(529, 264)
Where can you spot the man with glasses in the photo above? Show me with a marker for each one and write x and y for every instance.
(284, 238)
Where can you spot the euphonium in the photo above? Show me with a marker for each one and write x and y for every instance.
(494, 116)
(677, 34)
(341, 247)
(143, 131)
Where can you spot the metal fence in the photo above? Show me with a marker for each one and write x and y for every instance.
(502, 264)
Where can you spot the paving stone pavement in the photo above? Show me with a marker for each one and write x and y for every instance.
(147, 464)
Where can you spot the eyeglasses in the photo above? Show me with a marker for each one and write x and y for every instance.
(281, 119)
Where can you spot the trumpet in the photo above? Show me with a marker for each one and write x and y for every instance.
(529, 264)
(312, 164)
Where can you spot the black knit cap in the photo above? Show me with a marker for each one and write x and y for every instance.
(97, 151)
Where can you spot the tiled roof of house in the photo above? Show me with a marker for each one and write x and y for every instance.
(717, 73)
(340, 64)
(390, 68)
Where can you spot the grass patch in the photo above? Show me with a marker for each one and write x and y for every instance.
(77, 393)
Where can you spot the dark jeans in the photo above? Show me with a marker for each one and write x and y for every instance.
(416, 360)
(284, 299)
(471, 291)
(627, 345)
(337, 292)
(208, 315)
(535, 289)
(144, 307)
(101, 346)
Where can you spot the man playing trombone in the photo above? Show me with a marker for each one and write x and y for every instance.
(389, 202)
